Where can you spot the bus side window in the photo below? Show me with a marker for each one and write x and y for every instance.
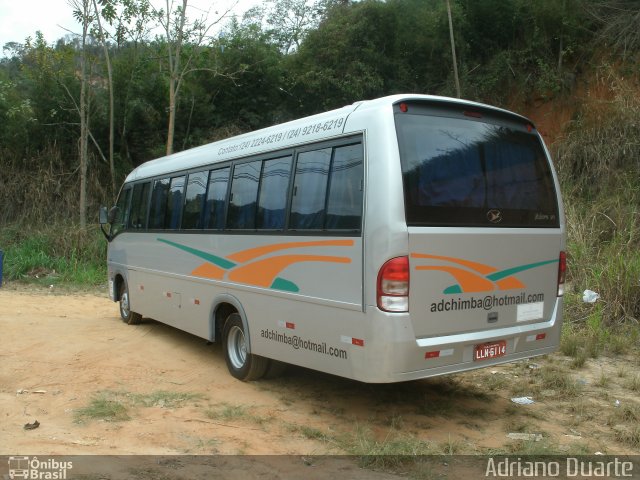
(174, 203)
(216, 199)
(244, 193)
(194, 200)
(344, 201)
(274, 183)
(139, 206)
(159, 203)
(309, 191)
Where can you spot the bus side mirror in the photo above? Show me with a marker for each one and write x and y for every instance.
(102, 216)
(113, 213)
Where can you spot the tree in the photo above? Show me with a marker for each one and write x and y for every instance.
(108, 12)
(289, 21)
(83, 14)
(619, 20)
(184, 41)
(453, 50)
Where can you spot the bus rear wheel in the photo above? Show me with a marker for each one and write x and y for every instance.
(241, 364)
(128, 317)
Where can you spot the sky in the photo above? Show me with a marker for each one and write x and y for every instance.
(22, 18)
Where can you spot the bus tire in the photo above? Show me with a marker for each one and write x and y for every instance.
(128, 317)
(241, 364)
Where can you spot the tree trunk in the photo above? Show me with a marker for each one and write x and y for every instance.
(453, 50)
(174, 51)
(84, 117)
(112, 167)
(172, 115)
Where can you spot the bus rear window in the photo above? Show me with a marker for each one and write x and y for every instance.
(460, 171)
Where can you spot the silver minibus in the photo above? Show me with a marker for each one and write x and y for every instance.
(389, 240)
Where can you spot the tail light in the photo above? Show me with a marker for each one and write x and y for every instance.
(562, 272)
(393, 285)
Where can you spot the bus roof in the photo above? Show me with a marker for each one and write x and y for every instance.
(285, 135)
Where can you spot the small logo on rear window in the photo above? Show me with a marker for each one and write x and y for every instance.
(494, 216)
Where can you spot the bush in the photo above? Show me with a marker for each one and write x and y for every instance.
(599, 168)
(54, 253)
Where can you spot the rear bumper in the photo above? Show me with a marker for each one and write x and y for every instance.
(403, 357)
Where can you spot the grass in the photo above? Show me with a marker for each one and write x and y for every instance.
(54, 255)
(625, 423)
(165, 399)
(114, 406)
(558, 379)
(592, 338)
(312, 433)
(227, 412)
(633, 383)
(102, 408)
(598, 171)
(390, 452)
(629, 436)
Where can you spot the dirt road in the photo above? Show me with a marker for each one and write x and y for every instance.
(64, 357)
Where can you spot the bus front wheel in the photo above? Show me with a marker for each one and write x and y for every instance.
(129, 317)
(241, 364)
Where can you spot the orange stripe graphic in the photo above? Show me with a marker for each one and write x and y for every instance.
(510, 283)
(250, 254)
(262, 272)
(470, 282)
(208, 270)
(478, 267)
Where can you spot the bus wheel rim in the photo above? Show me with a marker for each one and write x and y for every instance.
(237, 347)
(124, 304)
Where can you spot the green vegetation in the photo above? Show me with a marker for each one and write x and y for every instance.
(625, 422)
(394, 450)
(599, 171)
(603, 213)
(115, 406)
(53, 255)
(102, 407)
(227, 412)
(164, 399)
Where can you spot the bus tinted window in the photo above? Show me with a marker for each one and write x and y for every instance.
(459, 171)
(274, 184)
(139, 204)
(216, 199)
(159, 203)
(194, 200)
(174, 203)
(244, 192)
(344, 205)
(308, 205)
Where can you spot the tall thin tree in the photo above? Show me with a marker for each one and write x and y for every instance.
(107, 11)
(453, 50)
(178, 32)
(82, 13)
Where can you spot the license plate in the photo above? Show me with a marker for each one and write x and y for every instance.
(490, 350)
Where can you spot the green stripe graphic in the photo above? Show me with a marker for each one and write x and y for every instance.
(219, 261)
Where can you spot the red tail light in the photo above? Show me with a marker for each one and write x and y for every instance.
(562, 272)
(393, 285)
